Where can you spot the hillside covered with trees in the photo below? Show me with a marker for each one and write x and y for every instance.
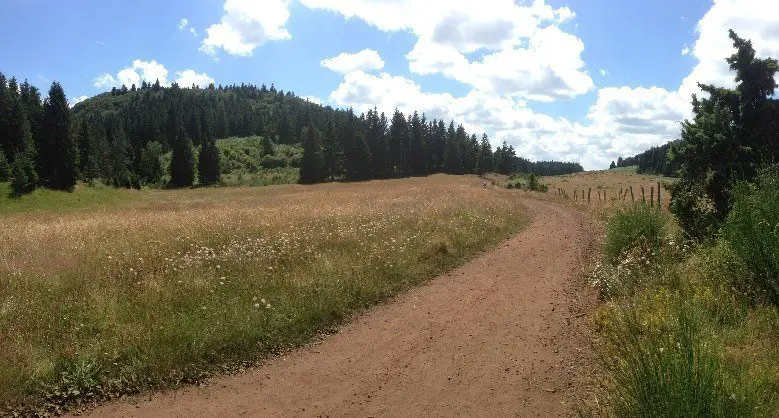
(652, 161)
(120, 137)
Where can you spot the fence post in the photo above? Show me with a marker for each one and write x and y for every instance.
(643, 195)
(659, 206)
(652, 197)
(589, 192)
(632, 198)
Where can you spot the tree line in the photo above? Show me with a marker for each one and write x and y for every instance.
(119, 137)
(652, 161)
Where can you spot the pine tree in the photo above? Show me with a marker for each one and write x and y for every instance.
(484, 162)
(209, 171)
(31, 100)
(357, 158)
(87, 153)
(612, 166)
(5, 167)
(61, 153)
(267, 146)
(5, 114)
(222, 124)
(24, 178)
(116, 160)
(182, 163)
(398, 140)
(417, 158)
(20, 132)
(453, 156)
(150, 165)
(312, 165)
(332, 152)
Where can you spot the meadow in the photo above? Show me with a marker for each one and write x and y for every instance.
(606, 187)
(154, 288)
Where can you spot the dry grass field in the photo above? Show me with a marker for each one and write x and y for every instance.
(605, 187)
(161, 287)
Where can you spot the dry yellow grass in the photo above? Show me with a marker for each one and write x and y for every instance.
(608, 184)
(174, 283)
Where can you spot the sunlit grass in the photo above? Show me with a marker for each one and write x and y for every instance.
(178, 282)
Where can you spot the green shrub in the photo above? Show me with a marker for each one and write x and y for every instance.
(273, 161)
(636, 227)
(752, 229)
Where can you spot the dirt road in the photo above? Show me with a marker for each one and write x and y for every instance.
(501, 335)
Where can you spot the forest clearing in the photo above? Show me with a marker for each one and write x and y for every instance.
(493, 208)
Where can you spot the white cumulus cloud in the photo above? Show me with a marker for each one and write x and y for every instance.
(104, 80)
(246, 25)
(757, 20)
(76, 100)
(367, 59)
(151, 72)
(525, 53)
(187, 78)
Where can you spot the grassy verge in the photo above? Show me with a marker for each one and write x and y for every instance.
(85, 197)
(677, 334)
(96, 304)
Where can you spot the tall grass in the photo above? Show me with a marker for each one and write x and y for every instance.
(752, 229)
(666, 368)
(634, 227)
(675, 337)
(110, 302)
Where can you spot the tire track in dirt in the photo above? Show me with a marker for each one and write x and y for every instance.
(502, 335)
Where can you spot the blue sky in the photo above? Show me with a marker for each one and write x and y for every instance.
(585, 80)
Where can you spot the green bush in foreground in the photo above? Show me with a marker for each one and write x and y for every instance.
(634, 227)
(752, 229)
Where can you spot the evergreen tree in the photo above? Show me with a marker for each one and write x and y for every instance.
(357, 159)
(376, 137)
(61, 152)
(484, 162)
(5, 119)
(267, 146)
(5, 167)
(222, 124)
(209, 171)
(182, 163)
(312, 165)
(19, 128)
(332, 152)
(398, 140)
(612, 166)
(150, 165)
(417, 159)
(453, 162)
(87, 153)
(24, 178)
(470, 151)
(116, 165)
